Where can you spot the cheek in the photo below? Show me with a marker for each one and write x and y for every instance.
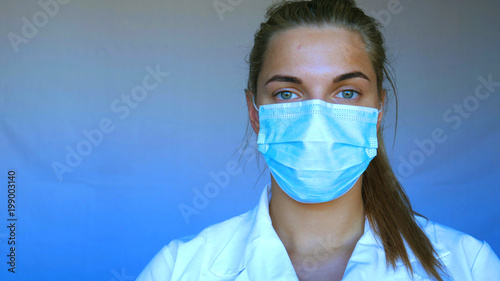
(370, 100)
(264, 97)
(374, 97)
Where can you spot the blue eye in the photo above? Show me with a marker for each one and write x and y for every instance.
(286, 95)
(348, 94)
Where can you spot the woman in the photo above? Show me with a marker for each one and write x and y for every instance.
(334, 209)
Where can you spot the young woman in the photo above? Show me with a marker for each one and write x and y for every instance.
(334, 209)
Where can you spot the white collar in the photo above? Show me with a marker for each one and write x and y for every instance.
(255, 245)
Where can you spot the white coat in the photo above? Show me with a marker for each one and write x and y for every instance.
(246, 247)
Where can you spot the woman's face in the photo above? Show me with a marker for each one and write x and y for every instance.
(306, 63)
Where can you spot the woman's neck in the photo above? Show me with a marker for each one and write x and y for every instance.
(302, 228)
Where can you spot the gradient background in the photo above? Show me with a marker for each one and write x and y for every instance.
(121, 203)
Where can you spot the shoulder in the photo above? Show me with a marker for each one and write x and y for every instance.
(447, 237)
(212, 237)
(194, 252)
(462, 252)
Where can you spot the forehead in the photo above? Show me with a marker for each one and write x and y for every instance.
(318, 50)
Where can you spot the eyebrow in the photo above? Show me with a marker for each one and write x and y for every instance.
(340, 78)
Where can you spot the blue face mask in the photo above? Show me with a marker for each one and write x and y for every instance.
(316, 150)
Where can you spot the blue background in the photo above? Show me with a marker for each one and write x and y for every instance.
(121, 202)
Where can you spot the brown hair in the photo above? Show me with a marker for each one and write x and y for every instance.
(386, 204)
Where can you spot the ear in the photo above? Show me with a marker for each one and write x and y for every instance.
(381, 106)
(253, 114)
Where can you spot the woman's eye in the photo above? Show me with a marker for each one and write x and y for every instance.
(348, 94)
(286, 95)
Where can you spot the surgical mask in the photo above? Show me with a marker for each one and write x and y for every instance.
(316, 150)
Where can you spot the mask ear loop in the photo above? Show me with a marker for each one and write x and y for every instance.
(253, 100)
(381, 107)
